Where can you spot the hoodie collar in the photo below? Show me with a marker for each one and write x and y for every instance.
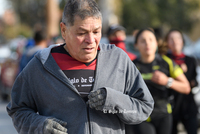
(52, 67)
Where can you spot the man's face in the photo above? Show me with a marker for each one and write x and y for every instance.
(82, 39)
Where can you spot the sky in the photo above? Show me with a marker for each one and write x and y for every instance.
(3, 6)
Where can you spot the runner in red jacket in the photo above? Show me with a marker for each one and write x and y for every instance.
(116, 35)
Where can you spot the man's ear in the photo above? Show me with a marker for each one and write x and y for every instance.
(63, 30)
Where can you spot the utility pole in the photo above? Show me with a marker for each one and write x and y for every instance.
(53, 18)
(109, 10)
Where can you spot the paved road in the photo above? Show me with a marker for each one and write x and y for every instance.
(6, 126)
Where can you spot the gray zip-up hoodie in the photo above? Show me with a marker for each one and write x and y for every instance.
(43, 91)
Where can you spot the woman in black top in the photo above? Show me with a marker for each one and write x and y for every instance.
(185, 109)
(160, 73)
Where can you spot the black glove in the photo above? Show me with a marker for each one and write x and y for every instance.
(54, 126)
(97, 99)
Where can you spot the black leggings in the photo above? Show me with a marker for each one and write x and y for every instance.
(161, 125)
(190, 124)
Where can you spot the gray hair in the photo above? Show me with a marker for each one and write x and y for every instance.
(81, 8)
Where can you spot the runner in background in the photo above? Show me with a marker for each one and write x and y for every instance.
(116, 35)
(185, 109)
(40, 40)
(160, 73)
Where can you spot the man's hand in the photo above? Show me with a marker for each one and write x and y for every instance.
(97, 99)
(54, 126)
(159, 78)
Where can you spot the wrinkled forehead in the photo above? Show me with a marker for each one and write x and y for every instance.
(87, 22)
(78, 17)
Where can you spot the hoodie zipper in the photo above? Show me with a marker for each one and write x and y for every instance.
(88, 107)
(88, 113)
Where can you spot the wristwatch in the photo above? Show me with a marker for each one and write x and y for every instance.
(169, 82)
